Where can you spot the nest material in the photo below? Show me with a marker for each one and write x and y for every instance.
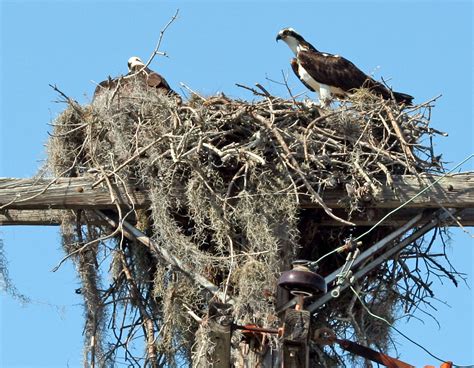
(225, 178)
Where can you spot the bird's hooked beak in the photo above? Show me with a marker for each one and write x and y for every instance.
(278, 37)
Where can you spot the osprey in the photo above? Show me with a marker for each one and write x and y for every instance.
(331, 75)
(153, 79)
(137, 72)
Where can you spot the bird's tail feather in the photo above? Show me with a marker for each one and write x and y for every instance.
(403, 98)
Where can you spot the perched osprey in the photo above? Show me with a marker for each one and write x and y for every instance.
(153, 79)
(331, 75)
(137, 72)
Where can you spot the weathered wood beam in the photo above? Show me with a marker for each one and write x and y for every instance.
(54, 217)
(464, 217)
(38, 201)
(43, 218)
(452, 191)
(65, 193)
(31, 217)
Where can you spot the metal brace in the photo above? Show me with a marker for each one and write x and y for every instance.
(346, 273)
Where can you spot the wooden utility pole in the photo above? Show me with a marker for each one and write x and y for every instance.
(448, 202)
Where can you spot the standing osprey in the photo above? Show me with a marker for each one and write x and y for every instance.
(331, 75)
(137, 72)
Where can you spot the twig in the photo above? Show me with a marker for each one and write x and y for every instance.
(231, 265)
(126, 162)
(192, 92)
(315, 196)
(366, 177)
(69, 100)
(285, 79)
(82, 248)
(455, 219)
(253, 90)
(155, 51)
(404, 145)
(146, 318)
(265, 92)
(192, 313)
(160, 39)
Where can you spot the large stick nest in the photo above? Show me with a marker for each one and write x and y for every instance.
(225, 178)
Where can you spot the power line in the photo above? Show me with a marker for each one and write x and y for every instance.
(414, 197)
(375, 226)
(396, 209)
(401, 333)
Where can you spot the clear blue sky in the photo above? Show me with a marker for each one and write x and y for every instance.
(423, 47)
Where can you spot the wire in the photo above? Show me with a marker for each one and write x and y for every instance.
(398, 208)
(400, 332)
(391, 325)
(395, 210)
(328, 254)
(371, 229)
(414, 197)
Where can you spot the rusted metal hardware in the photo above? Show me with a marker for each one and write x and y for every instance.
(444, 365)
(326, 336)
(350, 245)
(345, 275)
(250, 328)
(257, 336)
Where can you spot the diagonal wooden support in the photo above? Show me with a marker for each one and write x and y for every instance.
(134, 234)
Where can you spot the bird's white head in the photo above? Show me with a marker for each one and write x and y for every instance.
(286, 32)
(134, 62)
(294, 40)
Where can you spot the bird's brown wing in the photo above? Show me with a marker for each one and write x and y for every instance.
(334, 71)
(337, 71)
(155, 80)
